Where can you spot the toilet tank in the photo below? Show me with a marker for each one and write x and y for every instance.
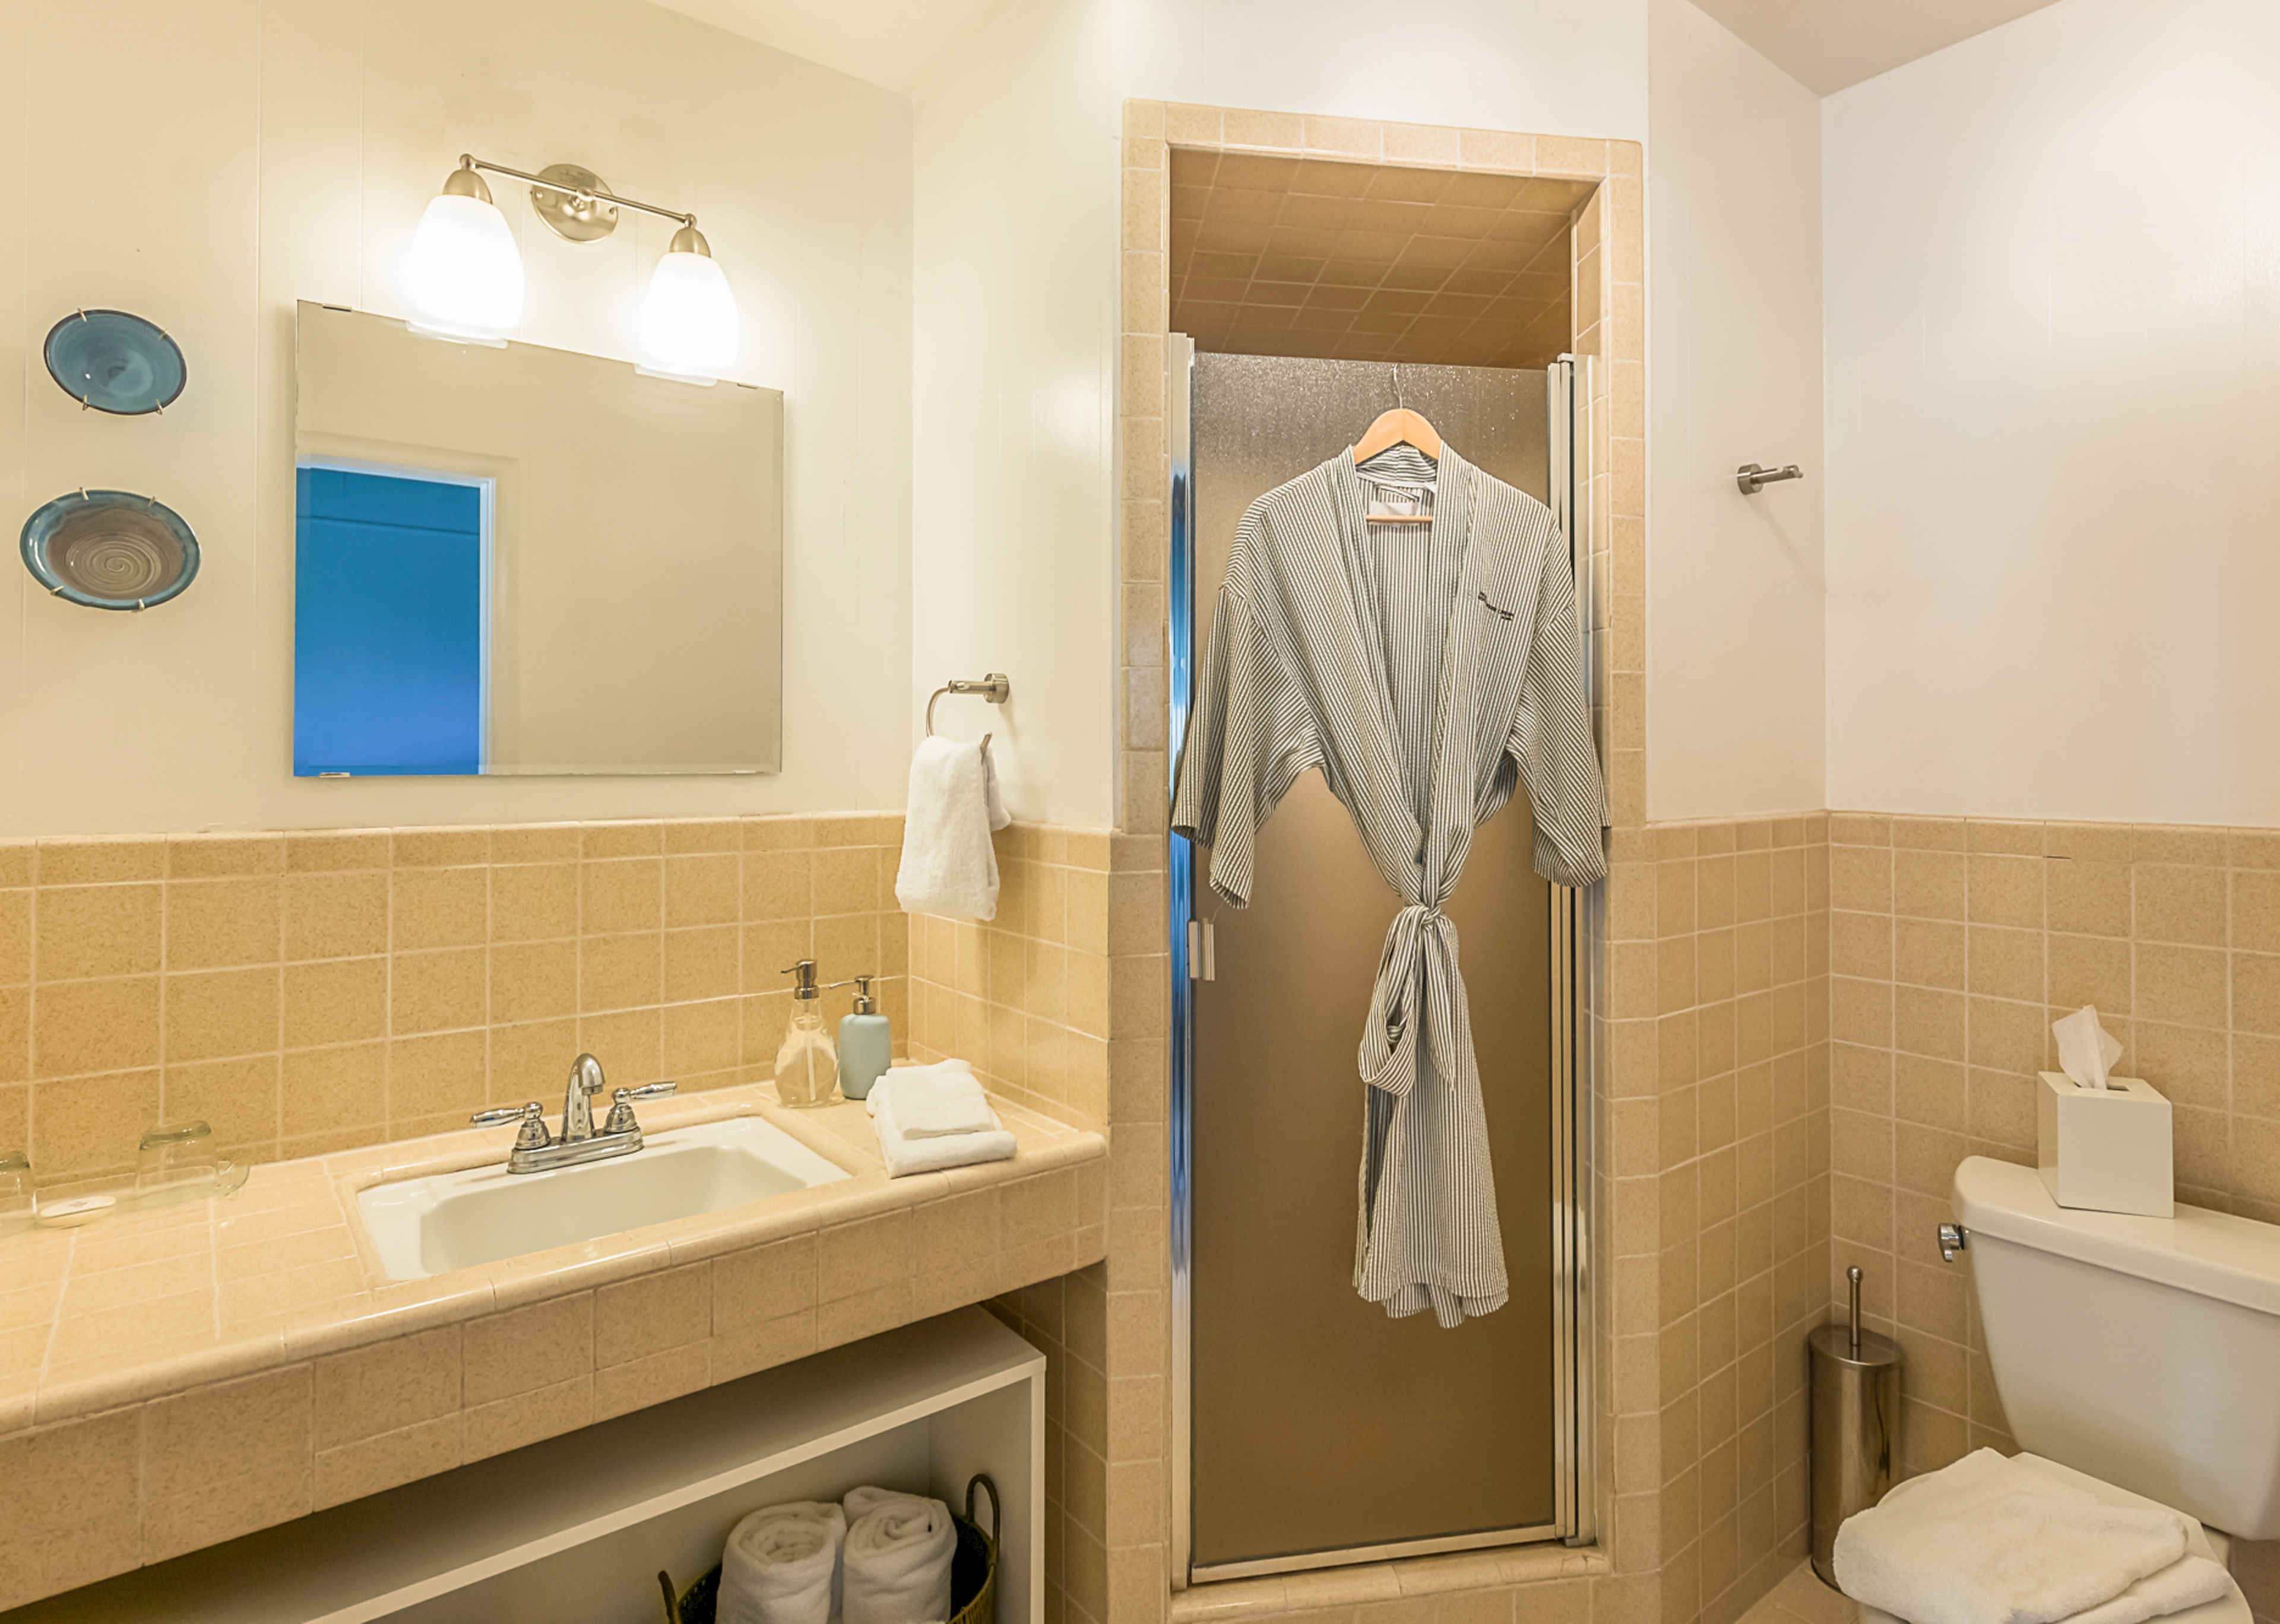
(2142, 1351)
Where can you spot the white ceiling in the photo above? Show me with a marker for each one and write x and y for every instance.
(1825, 44)
(886, 42)
(1828, 44)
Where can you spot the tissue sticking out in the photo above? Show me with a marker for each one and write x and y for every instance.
(2087, 1050)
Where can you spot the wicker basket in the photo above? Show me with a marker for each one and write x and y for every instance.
(973, 1573)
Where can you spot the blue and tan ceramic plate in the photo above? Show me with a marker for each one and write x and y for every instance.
(111, 550)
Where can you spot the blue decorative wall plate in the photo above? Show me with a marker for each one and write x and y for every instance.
(116, 362)
(110, 550)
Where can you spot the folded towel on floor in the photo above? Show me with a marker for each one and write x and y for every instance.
(949, 866)
(899, 1553)
(783, 1565)
(1990, 1541)
(906, 1152)
(941, 1099)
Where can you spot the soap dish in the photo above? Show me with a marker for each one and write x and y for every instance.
(73, 1211)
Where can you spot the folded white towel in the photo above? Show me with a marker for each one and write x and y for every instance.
(899, 1553)
(949, 866)
(783, 1565)
(941, 1099)
(1990, 1541)
(905, 1153)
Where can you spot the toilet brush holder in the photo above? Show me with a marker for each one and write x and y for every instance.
(1855, 1390)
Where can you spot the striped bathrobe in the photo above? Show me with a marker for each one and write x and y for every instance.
(1427, 671)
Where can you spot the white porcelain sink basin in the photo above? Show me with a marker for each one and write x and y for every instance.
(454, 1220)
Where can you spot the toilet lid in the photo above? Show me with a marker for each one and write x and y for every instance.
(2231, 1608)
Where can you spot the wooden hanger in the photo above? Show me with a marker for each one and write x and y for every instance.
(1399, 427)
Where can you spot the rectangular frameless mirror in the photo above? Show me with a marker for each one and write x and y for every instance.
(521, 560)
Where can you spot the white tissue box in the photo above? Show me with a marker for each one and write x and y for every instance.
(2107, 1149)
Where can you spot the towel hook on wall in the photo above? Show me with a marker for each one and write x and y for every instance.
(996, 688)
(1753, 478)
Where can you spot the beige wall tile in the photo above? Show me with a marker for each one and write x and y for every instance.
(98, 930)
(439, 907)
(624, 894)
(335, 915)
(437, 991)
(105, 1026)
(214, 923)
(335, 1001)
(534, 901)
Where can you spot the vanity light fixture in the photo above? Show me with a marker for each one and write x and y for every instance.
(466, 273)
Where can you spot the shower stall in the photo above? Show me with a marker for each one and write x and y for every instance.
(1309, 1430)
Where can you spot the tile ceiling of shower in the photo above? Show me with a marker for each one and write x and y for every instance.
(1363, 262)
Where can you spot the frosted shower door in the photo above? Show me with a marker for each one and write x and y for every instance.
(1321, 1429)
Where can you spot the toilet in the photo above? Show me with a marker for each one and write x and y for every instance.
(2136, 1358)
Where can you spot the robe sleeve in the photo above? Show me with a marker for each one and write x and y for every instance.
(1249, 736)
(1550, 739)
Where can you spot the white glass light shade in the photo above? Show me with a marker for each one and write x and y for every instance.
(463, 273)
(689, 317)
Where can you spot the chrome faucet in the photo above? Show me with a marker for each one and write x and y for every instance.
(535, 1149)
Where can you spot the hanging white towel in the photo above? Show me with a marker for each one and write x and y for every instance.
(783, 1565)
(1992, 1541)
(898, 1552)
(905, 1153)
(949, 866)
(931, 1101)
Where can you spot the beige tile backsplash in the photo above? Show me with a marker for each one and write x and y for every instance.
(1954, 945)
(308, 991)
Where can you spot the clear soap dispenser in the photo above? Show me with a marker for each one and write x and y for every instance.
(807, 1067)
(867, 1048)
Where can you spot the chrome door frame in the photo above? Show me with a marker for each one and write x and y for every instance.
(1574, 923)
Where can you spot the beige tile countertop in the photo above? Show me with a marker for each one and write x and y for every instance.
(175, 1378)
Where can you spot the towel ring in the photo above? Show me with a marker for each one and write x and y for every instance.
(996, 688)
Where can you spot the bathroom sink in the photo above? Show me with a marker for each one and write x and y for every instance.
(454, 1220)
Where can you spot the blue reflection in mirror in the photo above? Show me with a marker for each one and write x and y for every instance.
(388, 624)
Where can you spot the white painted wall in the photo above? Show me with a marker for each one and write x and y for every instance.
(251, 152)
(2053, 333)
(1014, 390)
(1735, 658)
(1546, 67)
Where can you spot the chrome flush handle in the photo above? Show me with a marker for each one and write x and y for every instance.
(1953, 1238)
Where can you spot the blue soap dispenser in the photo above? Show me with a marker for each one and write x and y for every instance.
(867, 1045)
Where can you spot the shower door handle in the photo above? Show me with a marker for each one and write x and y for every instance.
(1202, 964)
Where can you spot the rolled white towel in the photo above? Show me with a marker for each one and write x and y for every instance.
(1990, 1541)
(931, 1101)
(783, 1565)
(899, 1553)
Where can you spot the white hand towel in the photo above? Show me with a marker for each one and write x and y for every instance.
(931, 1101)
(949, 866)
(906, 1155)
(783, 1565)
(899, 1553)
(1988, 1541)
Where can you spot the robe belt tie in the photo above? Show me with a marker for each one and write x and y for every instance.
(1420, 936)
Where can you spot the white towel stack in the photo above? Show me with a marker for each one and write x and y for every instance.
(932, 1117)
(1995, 1541)
(884, 1558)
(898, 1552)
(783, 1565)
(949, 866)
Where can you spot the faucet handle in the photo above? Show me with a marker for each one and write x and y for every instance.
(622, 1107)
(533, 1135)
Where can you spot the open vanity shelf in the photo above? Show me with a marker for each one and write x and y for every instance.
(575, 1529)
